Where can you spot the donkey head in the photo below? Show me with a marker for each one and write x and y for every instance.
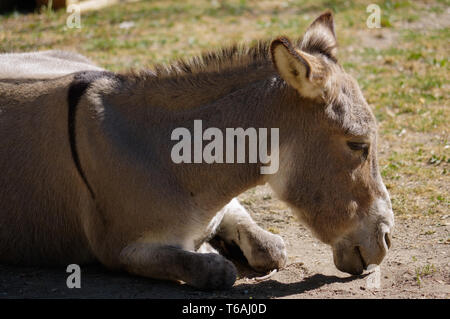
(328, 170)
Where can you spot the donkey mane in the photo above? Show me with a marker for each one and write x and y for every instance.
(199, 80)
(234, 56)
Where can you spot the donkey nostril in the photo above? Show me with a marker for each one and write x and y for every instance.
(387, 239)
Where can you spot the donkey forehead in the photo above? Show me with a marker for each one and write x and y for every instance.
(347, 107)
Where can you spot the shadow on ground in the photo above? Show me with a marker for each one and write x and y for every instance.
(98, 282)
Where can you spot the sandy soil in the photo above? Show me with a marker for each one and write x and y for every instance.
(417, 266)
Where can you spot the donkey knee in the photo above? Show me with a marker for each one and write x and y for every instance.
(264, 251)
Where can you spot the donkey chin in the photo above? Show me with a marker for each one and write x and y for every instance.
(368, 243)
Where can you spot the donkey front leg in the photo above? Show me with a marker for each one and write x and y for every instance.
(264, 251)
(204, 271)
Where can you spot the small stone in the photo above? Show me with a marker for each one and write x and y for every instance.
(126, 25)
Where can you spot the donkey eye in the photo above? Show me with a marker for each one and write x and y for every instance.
(355, 146)
(358, 146)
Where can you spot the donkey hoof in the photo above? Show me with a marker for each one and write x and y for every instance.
(217, 273)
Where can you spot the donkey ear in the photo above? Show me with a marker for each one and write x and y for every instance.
(299, 69)
(320, 37)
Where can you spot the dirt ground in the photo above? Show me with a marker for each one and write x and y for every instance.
(417, 266)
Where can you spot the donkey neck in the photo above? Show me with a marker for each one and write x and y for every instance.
(137, 120)
(239, 99)
(192, 90)
(249, 107)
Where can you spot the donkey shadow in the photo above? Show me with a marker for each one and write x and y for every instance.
(98, 282)
(272, 288)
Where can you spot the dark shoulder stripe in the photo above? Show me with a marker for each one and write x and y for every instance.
(81, 82)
